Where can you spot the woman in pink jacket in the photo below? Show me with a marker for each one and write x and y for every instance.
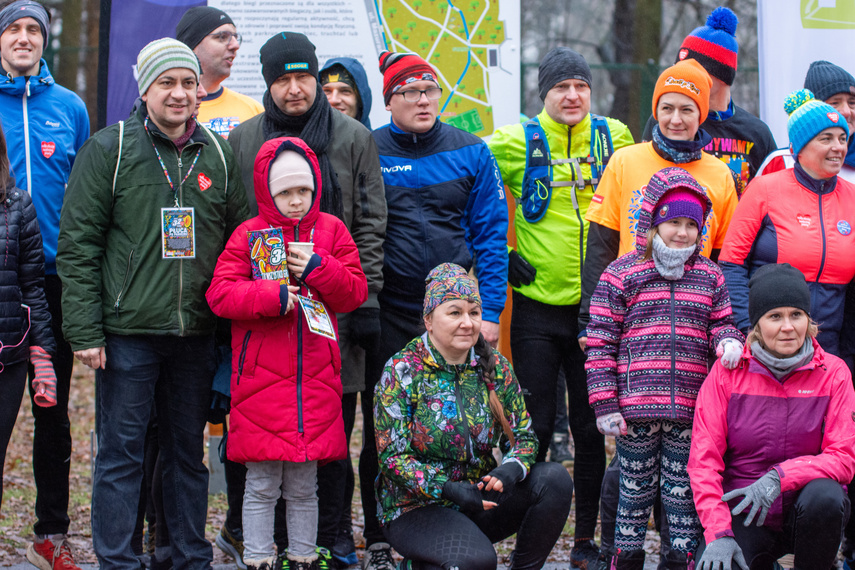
(286, 384)
(776, 433)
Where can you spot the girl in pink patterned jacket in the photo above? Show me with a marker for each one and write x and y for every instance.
(657, 315)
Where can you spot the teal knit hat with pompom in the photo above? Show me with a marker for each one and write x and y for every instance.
(808, 118)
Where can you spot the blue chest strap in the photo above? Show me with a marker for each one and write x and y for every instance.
(538, 182)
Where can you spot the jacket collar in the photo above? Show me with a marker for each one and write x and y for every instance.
(551, 126)
(433, 358)
(823, 186)
(405, 139)
(36, 83)
(754, 365)
(198, 136)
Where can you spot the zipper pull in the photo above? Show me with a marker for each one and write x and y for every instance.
(28, 88)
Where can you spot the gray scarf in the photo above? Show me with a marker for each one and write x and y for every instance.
(670, 262)
(780, 367)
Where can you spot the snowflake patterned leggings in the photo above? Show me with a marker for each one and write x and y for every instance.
(655, 452)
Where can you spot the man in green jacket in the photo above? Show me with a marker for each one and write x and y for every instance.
(546, 268)
(295, 105)
(149, 206)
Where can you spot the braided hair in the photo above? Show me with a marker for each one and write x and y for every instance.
(487, 361)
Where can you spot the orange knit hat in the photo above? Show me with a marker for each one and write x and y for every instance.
(687, 77)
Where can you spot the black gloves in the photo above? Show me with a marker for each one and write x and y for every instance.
(465, 495)
(509, 474)
(365, 327)
(520, 271)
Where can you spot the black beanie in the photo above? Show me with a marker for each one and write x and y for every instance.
(559, 64)
(287, 52)
(827, 80)
(776, 285)
(198, 22)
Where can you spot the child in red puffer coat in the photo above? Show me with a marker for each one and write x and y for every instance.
(286, 384)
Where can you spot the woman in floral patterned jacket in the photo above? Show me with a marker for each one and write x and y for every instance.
(444, 402)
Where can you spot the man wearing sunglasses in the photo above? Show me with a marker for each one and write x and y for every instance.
(446, 203)
(213, 37)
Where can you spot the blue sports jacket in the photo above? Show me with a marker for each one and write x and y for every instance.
(446, 203)
(45, 125)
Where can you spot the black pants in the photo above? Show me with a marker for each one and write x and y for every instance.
(811, 530)
(439, 537)
(52, 436)
(12, 380)
(543, 339)
(396, 330)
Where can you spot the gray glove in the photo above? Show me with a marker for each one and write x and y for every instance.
(720, 553)
(760, 495)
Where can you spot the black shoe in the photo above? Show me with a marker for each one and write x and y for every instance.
(559, 450)
(630, 560)
(584, 555)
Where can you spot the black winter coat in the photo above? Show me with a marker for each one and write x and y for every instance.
(22, 280)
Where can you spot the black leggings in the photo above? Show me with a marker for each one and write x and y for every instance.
(13, 378)
(811, 531)
(543, 340)
(436, 537)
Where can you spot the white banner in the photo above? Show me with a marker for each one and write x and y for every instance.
(792, 34)
(474, 44)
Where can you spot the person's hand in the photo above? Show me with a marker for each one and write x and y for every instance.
(365, 327)
(44, 378)
(520, 271)
(92, 357)
(503, 478)
(292, 298)
(719, 554)
(466, 496)
(760, 495)
(612, 424)
(490, 332)
(297, 261)
(729, 351)
(583, 343)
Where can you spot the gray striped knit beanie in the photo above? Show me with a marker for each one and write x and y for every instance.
(161, 55)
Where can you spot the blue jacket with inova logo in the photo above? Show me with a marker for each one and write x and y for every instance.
(446, 203)
(45, 125)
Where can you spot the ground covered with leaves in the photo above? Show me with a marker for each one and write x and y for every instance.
(19, 492)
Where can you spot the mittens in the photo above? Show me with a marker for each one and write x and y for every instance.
(44, 379)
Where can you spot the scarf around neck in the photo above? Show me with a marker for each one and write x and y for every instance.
(315, 127)
(670, 262)
(681, 152)
(780, 367)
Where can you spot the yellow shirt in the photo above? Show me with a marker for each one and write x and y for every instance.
(617, 202)
(227, 111)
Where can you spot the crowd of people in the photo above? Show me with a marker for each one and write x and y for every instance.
(285, 263)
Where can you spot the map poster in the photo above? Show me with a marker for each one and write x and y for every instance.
(473, 44)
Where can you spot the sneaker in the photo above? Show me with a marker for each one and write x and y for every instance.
(559, 450)
(52, 554)
(378, 556)
(585, 555)
(232, 545)
(344, 551)
(325, 559)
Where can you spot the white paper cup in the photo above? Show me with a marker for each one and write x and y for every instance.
(306, 246)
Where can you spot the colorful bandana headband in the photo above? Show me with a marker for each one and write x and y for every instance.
(448, 282)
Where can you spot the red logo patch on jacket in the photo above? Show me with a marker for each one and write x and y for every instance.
(804, 220)
(204, 182)
(48, 148)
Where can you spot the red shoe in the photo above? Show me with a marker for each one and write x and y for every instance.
(52, 555)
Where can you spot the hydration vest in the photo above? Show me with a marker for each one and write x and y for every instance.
(536, 192)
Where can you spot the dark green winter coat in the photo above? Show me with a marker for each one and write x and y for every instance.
(110, 260)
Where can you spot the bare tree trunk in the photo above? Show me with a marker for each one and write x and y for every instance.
(68, 63)
(636, 30)
(90, 60)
